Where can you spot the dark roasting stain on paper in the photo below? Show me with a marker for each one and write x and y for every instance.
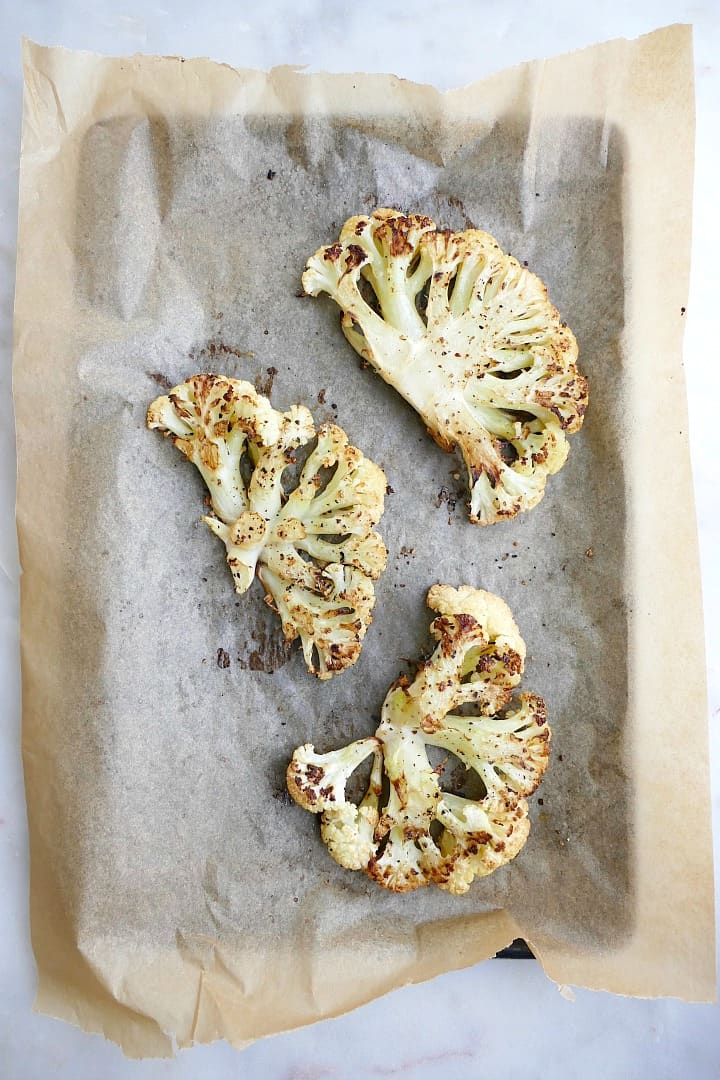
(160, 379)
(266, 648)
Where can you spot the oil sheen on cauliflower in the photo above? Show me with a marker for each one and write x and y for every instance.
(469, 338)
(418, 833)
(314, 548)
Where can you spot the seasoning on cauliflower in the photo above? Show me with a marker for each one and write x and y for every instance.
(469, 338)
(314, 549)
(423, 834)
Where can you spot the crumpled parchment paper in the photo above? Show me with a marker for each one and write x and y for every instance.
(167, 210)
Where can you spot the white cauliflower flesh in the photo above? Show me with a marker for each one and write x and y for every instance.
(469, 338)
(314, 548)
(422, 834)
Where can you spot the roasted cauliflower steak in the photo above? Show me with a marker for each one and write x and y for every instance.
(469, 338)
(418, 833)
(313, 548)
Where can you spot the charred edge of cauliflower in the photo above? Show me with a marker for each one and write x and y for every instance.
(331, 626)
(469, 338)
(314, 549)
(422, 834)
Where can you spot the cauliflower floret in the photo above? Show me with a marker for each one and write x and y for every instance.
(317, 782)
(330, 621)
(314, 548)
(479, 838)
(469, 338)
(424, 834)
(210, 419)
(349, 832)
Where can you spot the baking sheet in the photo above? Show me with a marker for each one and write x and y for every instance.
(167, 210)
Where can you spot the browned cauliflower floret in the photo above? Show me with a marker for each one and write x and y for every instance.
(314, 549)
(469, 338)
(419, 833)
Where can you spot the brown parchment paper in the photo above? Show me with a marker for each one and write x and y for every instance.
(167, 208)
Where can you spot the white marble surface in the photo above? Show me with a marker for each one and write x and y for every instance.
(502, 1018)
